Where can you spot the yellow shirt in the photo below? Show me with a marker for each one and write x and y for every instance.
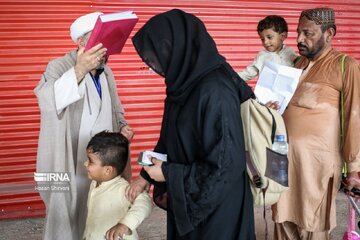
(107, 206)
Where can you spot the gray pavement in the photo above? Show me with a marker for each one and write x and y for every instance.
(154, 227)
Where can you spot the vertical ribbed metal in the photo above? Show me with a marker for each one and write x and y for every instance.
(34, 32)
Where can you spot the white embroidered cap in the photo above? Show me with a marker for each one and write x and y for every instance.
(83, 25)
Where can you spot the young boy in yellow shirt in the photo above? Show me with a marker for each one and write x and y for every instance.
(110, 215)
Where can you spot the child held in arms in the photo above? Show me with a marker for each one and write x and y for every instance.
(272, 31)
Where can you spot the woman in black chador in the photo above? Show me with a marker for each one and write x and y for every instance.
(204, 185)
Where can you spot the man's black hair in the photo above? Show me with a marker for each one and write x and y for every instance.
(275, 22)
(112, 149)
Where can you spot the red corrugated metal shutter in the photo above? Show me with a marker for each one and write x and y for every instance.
(34, 32)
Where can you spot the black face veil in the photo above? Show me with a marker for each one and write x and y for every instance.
(177, 46)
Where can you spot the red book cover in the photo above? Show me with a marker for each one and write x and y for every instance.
(112, 30)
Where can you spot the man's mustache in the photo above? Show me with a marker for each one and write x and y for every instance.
(301, 45)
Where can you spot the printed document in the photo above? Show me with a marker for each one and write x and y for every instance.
(277, 83)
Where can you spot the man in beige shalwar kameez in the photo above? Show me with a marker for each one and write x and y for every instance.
(307, 210)
(78, 98)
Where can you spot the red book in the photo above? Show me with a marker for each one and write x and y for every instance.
(112, 30)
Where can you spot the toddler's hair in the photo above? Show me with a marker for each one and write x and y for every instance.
(275, 22)
(112, 149)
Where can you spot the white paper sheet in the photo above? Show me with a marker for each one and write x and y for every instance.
(144, 157)
(277, 83)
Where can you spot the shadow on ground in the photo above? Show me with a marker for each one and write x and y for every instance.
(154, 227)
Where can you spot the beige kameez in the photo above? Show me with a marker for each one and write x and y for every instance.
(313, 123)
(107, 206)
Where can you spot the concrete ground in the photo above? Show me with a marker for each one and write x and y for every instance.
(154, 227)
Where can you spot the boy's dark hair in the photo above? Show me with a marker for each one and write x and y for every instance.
(275, 22)
(112, 149)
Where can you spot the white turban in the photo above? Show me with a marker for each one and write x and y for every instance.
(83, 25)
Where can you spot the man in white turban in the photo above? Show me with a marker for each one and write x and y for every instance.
(78, 98)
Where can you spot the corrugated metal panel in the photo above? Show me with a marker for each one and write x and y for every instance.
(34, 32)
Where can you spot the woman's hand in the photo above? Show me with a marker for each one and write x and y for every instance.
(155, 171)
(136, 187)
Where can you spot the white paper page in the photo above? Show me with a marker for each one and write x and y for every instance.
(116, 16)
(277, 83)
(268, 95)
(267, 78)
(160, 156)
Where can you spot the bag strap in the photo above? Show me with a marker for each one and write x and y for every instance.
(255, 173)
(297, 59)
(342, 103)
(273, 126)
(264, 215)
(342, 121)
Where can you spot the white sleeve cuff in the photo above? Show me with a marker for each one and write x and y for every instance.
(67, 90)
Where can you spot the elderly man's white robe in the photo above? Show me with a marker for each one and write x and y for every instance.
(70, 115)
